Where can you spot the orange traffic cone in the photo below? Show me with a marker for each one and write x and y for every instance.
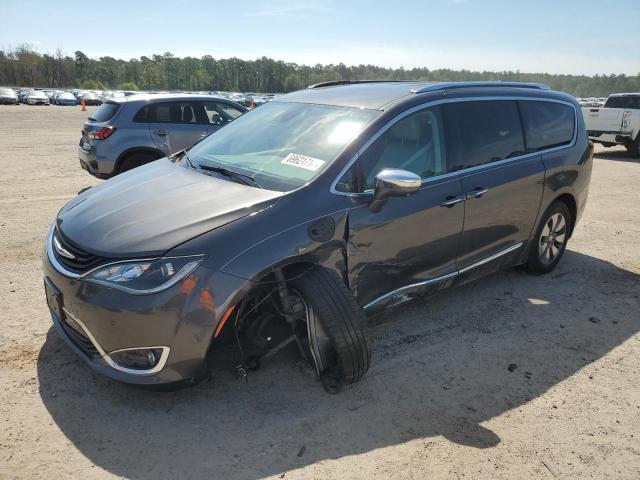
(84, 107)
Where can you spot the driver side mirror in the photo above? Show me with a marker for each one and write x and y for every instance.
(392, 182)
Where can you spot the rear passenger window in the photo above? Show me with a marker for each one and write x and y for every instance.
(170, 112)
(547, 124)
(482, 132)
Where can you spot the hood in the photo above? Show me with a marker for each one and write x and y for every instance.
(153, 208)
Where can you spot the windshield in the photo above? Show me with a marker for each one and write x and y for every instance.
(37, 94)
(283, 145)
(6, 91)
(66, 96)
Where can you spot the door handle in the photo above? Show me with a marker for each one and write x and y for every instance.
(162, 132)
(450, 201)
(477, 192)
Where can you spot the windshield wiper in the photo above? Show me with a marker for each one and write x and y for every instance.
(243, 177)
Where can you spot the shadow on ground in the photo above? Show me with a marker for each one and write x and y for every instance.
(617, 155)
(440, 367)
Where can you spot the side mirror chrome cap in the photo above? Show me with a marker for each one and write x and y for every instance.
(392, 182)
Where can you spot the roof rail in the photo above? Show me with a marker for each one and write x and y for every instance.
(333, 83)
(451, 85)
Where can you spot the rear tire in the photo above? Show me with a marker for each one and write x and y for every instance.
(344, 322)
(135, 160)
(633, 148)
(550, 241)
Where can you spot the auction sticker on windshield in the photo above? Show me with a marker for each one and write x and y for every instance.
(302, 161)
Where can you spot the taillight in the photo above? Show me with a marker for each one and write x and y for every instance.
(103, 133)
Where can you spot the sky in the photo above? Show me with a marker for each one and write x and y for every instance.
(561, 36)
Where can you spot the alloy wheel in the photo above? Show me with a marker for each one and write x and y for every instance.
(552, 239)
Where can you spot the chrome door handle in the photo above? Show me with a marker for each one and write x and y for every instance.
(477, 192)
(451, 201)
(162, 132)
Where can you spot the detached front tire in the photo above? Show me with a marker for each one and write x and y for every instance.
(332, 313)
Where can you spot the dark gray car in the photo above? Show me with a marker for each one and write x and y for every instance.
(126, 132)
(284, 227)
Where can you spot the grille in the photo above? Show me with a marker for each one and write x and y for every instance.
(79, 338)
(83, 261)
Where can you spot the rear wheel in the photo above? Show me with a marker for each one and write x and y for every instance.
(550, 240)
(633, 148)
(136, 160)
(337, 328)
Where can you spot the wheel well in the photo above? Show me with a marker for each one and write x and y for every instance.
(124, 156)
(570, 202)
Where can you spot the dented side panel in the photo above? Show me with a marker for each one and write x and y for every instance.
(411, 239)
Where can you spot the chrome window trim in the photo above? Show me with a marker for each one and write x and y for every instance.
(442, 278)
(463, 171)
(109, 361)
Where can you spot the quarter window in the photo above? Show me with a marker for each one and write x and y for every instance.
(547, 124)
(415, 143)
(482, 132)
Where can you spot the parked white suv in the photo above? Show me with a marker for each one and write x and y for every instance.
(617, 123)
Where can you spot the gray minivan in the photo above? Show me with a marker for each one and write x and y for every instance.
(127, 132)
(285, 227)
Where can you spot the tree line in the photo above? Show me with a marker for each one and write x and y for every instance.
(24, 67)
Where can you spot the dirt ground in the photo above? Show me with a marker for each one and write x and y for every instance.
(440, 400)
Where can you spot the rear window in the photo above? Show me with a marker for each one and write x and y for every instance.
(105, 112)
(547, 124)
(623, 102)
(482, 132)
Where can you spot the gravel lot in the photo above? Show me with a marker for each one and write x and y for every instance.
(439, 401)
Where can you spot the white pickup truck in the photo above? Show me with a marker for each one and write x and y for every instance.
(616, 123)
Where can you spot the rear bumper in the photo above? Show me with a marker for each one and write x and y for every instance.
(609, 137)
(91, 161)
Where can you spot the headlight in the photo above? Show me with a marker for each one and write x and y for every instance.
(141, 277)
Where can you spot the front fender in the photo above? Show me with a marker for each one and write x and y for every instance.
(298, 244)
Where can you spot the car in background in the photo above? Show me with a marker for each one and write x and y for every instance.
(90, 98)
(616, 123)
(38, 97)
(65, 98)
(8, 96)
(23, 94)
(126, 132)
(52, 95)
